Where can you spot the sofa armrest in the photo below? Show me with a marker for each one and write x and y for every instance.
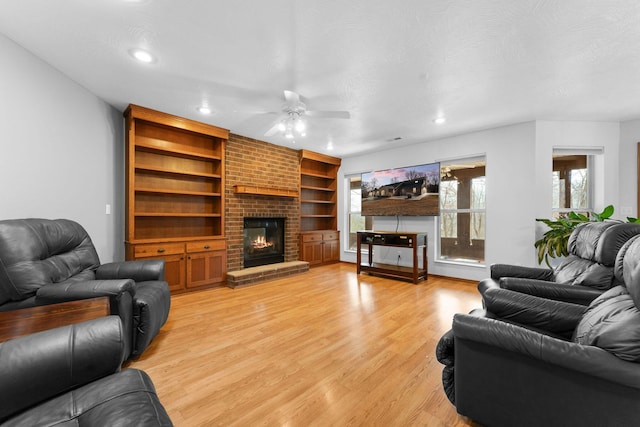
(138, 271)
(40, 366)
(556, 291)
(556, 317)
(69, 291)
(508, 270)
(445, 351)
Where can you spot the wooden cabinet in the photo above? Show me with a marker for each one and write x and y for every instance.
(320, 247)
(206, 263)
(319, 237)
(173, 255)
(175, 196)
(331, 248)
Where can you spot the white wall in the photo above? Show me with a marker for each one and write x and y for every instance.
(519, 160)
(62, 150)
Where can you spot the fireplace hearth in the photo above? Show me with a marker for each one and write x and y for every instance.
(263, 241)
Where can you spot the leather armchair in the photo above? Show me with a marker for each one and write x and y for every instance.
(531, 361)
(48, 261)
(583, 275)
(71, 376)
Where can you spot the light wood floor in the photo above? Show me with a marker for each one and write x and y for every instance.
(323, 348)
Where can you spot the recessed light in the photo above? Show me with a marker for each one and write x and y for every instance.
(439, 120)
(329, 145)
(142, 56)
(204, 110)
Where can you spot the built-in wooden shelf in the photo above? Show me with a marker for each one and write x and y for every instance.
(265, 191)
(319, 235)
(174, 179)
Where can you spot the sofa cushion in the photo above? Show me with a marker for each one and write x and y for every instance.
(37, 252)
(571, 268)
(612, 322)
(597, 276)
(612, 239)
(584, 239)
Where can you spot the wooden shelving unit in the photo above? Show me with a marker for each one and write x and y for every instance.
(175, 203)
(319, 237)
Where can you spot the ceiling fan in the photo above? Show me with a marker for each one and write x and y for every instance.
(293, 116)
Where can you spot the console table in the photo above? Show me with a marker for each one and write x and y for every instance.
(394, 239)
(25, 321)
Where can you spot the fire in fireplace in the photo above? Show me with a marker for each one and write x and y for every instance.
(263, 241)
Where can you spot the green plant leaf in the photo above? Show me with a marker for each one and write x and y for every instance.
(607, 212)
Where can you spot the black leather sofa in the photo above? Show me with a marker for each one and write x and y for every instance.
(583, 275)
(46, 261)
(70, 376)
(531, 361)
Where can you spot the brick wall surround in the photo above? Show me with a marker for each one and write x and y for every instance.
(252, 162)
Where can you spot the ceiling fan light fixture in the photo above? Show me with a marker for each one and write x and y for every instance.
(293, 121)
(142, 56)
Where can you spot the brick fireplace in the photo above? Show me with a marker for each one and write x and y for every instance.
(251, 162)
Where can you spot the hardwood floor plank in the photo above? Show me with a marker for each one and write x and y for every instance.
(323, 348)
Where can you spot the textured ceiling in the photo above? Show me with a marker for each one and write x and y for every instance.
(394, 65)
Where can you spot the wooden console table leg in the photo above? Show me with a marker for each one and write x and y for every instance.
(415, 261)
(425, 260)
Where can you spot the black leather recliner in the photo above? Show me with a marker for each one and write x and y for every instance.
(583, 275)
(531, 361)
(46, 261)
(71, 376)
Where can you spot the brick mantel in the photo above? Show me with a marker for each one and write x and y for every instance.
(250, 162)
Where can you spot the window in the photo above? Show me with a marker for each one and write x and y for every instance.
(356, 221)
(571, 184)
(462, 210)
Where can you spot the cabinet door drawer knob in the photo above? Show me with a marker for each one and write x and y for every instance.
(207, 246)
(160, 250)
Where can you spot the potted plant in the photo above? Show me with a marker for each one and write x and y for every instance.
(554, 242)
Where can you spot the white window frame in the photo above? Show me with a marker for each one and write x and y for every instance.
(349, 212)
(461, 261)
(590, 152)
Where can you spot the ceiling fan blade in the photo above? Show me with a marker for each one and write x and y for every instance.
(291, 97)
(273, 129)
(329, 114)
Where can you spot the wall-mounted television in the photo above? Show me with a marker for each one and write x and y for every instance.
(410, 191)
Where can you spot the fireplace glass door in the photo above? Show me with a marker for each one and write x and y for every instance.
(263, 241)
